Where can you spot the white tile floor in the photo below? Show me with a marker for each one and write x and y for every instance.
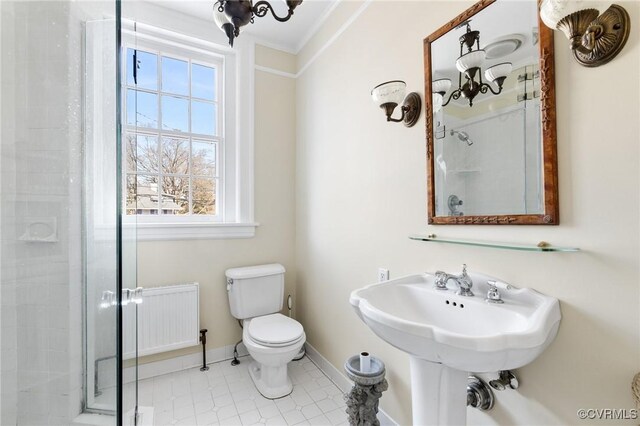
(225, 395)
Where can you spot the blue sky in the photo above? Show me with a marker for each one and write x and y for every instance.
(175, 80)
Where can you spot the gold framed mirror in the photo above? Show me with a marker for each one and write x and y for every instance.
(491, 118)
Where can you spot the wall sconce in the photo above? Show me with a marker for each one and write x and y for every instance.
(390, 94)
(594, 38)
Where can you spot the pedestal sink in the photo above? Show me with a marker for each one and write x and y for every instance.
(448, 335)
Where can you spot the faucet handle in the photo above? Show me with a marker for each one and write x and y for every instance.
(440, 281)
(493, 295)
(464, 269)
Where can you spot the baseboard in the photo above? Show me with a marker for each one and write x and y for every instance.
(184, 362)
(340, 380)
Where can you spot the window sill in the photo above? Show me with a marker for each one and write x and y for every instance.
(190, 231)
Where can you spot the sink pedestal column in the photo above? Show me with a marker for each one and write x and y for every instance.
(438, 394)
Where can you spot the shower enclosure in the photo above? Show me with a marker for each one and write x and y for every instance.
(65, 254)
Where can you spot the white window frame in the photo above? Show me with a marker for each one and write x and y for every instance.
(236, 108)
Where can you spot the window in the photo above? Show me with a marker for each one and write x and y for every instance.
(188, 159)
(172, 137)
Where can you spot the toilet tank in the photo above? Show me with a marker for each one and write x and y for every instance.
(255, 290)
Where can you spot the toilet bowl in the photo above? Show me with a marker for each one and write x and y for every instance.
(272, 341)
(256, 296)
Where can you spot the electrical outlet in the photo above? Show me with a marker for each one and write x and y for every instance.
(383, 275)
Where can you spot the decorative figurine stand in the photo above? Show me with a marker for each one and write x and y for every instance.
(362, 400)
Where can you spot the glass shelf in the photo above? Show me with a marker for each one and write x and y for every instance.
(540, 247)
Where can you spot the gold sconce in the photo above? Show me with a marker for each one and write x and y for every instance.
(594, 38)
(390, 94)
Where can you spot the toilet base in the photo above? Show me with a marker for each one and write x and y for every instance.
(271, 382)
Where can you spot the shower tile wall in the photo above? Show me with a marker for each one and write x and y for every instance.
(8, 314)
(41, 173)
(512, 160)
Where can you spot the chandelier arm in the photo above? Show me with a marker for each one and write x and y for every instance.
(261, 8)
(485, 85)
(455, 95)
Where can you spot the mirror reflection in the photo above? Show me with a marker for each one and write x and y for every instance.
(487, 139)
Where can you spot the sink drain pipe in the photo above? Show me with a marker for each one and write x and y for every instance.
(479, 394)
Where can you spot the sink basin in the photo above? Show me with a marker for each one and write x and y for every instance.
(462, 332)
(448, 335)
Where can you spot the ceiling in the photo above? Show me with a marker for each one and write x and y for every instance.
(289, 36)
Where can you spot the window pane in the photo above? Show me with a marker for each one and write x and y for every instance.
(175, 76)
(203, 158)
(175, 195)
(175, 156)
(147, 69)
(203, 118)
(142, 153)
(203, 82)
(131, 194)
(142, 109)
(204, 196)
(175, 114)
(142, 194)
(132, 155)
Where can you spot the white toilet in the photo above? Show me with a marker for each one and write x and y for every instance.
(256, 295)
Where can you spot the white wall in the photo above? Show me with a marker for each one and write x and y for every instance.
(360, 191)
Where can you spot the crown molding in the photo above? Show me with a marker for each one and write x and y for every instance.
(334, 37)
(275, 71)
(316, 27)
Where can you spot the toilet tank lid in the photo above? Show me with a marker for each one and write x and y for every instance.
(255, 271)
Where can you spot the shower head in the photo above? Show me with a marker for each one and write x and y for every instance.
(463, 136)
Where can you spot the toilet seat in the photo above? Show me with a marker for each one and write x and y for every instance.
(275, 330)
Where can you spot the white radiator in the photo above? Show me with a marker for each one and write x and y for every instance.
(168, 319)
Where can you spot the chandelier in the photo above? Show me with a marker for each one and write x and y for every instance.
(468, 65)
(231, 15)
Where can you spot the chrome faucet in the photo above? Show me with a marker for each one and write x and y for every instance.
(463, 281)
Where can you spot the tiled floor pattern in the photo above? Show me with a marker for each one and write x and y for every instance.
(225, 395)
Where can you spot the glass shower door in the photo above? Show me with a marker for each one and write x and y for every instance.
(110, 240)
(131, 204)
(59, 221)
(46, 119)
(109, 248)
